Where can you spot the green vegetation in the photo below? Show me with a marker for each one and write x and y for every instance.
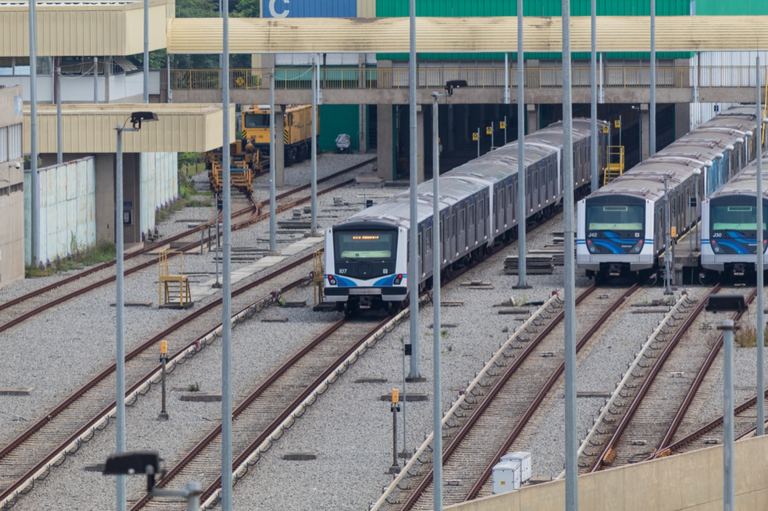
(505, 329)
(193, 387)
(444, 333)
(746, 336)
(80, 257)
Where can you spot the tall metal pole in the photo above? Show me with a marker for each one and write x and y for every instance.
(413, 266)
(437, 414)
(652, 113)
(314, 146)
(667, 240)
(522, 265)
(59, 136)
(728, 479)
(593, 99)
(34, 218)
(120, 311)
(760, 254)
(226, 313)
(95, 79)
(506, 79)
(272, 192)
(146, 51)
(571, 443)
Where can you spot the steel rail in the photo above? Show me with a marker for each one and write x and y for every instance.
(266, 385)
(109, 370)
(610, 446)
(672, 447)
(661, 449)
(256, 217)
(475, 490)
(466, 428)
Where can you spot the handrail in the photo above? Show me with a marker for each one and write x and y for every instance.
(542, 77)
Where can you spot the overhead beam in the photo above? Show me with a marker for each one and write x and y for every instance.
(466, 35)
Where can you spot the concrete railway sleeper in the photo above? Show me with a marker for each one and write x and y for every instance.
(48, 429)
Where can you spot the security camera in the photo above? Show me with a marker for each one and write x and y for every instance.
(17, 165)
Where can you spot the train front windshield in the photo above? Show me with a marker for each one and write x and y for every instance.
(365, 245)
(615, 225)
(733, 227)
(256, 121)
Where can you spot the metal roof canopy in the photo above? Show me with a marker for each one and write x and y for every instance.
(466, 35)
(84, 28)
(91, 128)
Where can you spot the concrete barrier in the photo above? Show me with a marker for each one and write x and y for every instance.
(693, 482)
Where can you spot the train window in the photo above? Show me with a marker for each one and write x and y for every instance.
(471, 214)
(428, 235)
(462, 221)
(256, 121)
(365, 244)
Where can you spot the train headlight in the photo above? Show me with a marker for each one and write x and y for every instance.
(398, 279)
(717, 249)
(637, 248)
(591, 247)
(332, 280)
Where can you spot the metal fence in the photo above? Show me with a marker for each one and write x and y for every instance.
(476, 77)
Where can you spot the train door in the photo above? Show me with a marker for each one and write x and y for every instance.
(471, 225)
(427, 259)
(461, 237)
(512, 201)
(443, 233)
(481, 219)
(452, 233)
(501, 208)
(550, 181)
(542, 183)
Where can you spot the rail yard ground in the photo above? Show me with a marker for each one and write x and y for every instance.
(349, 426)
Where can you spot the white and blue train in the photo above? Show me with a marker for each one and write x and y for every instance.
(729, 226)
(366, 256)
(621, 227)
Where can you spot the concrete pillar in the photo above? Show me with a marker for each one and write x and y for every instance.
(279, 155)
(532, 117)
(645, 126)
(131, 198)
(385, 147)
(362, 131)
(107, 75)
(682, 119)
(420, 144)
(105, 196)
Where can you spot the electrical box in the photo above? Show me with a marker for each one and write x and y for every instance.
(525, 463)
(506, 476)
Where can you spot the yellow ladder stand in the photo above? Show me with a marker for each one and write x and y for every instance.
(174, 289)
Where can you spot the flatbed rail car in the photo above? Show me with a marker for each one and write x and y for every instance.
(729, 226)
(620, 227)
(240, 177)
(366, 255)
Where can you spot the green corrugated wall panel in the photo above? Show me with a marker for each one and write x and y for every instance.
(458, 8)
(337, 119)
(740, 8)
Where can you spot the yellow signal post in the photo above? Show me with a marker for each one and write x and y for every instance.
(475, 137)
(163, 360)
(394, 408)
(489, 130)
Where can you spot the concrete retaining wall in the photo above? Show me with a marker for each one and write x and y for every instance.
(693, 482)
(67, 221)
(159, 185)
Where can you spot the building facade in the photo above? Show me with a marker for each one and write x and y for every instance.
(11, 186)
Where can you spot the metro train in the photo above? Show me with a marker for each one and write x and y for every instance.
(366, 255)
(621, 226)
(729, 226)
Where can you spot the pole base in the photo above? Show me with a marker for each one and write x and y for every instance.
(394, 469)
(163, 416)
(522, 287)
(415, 379)
(216, 285)
(404, 455)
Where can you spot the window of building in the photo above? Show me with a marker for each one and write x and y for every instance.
(14, 142)
(3, 144)
(17, 188)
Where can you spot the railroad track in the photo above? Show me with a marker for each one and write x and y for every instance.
(62, 430)
(643, 414)
(499, 404)
(266, 407)
(18, 310)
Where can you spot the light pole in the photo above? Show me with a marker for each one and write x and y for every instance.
(735, 303)
(413, 264)
(135, 120)
(760, 252)
(437, 415)
(667, 239)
